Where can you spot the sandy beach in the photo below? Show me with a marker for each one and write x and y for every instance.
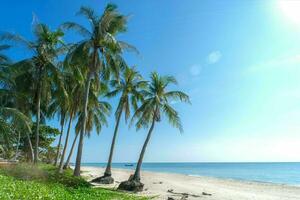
(164, 185)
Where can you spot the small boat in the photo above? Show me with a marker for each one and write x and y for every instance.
(128, 165)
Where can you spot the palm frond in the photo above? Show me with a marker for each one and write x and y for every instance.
(76, 27)
(89, 14)
(178, 96)
(17, 39)
(172, 116)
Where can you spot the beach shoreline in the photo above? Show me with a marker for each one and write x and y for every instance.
(161, 185)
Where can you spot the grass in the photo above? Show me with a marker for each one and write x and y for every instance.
(43, 182)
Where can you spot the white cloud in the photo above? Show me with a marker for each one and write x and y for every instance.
(214, 57)
(195, 70)
(278, 63)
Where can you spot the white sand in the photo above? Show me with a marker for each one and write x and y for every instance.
(158, 184)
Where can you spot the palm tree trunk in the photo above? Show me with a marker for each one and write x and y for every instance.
(137, 173)
(59, 142)
(112, 147)
(38, 116)
(18, 144)
(71, 152)
(66, 144)
(30, 147)
(80, 144)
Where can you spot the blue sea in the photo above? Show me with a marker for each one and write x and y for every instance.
(281, 173)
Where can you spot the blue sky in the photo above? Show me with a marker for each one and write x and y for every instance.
(238, 60)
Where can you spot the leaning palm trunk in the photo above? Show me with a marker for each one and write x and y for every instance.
(30, 147)
(66, 144)
(137, 173)
(107, 179)
(134, 184)
(17, 148)
(80, 144)
(38, 115)
(71, 153)
(59, 143)
(109, 163)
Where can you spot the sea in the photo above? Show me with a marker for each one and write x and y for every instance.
(276, 172)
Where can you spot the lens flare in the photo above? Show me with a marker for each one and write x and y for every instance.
(291, 9)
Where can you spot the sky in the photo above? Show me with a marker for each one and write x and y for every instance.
(239, 61)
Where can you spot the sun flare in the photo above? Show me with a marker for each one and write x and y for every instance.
(291, 9)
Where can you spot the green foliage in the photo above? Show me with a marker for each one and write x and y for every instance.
(69, 80)
(158, 102)
(46, 137)
(25, 172)
(130, 89)
(12, 122)
(12, 189)
(43, 182)
(44, 173)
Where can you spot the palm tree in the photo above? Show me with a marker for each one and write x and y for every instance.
(66, 165)
(41, 66)
(4, 60)
(97, 112)
(100, 51)
(62, 124)
(12, 121)
(12, 109)
(13, 102)
(129, 87)
(157, 102)
(4, 66)
(74, 89)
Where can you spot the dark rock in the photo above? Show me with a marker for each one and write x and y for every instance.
(170, 190)
(103, 180)
(204, 193)
(131, 185)
(171, 198)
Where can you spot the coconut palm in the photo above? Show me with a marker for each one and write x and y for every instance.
(74, 88)
(97, 112)
(12, 123)
(66, 107)
(4, 63)
(62, 115)
(156, 103)
(4, 60)
(41, 67)
(129, 88)
(100, 51)
(67, 163)
(13, 108)
(14, 103)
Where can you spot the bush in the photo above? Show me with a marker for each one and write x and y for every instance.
(25, 172)
(25, 181)
(12, 189)
(45, 173)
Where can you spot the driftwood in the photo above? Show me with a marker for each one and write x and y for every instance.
(204, 193)
(183, 194)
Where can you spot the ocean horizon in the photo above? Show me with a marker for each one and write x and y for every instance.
(267, 172)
